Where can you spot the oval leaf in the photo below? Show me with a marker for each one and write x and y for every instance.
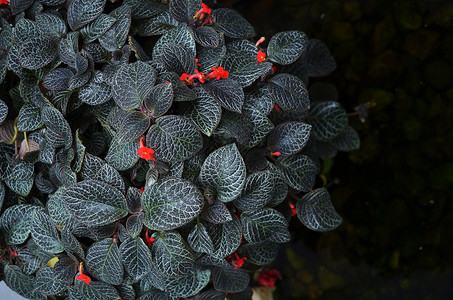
(299, 171)
(264, 224)
(136, 257)
(227, 92)
(328, 119)
(288, 138)
(82, 12)
(103, 261)
(289, 92)
(286, 47)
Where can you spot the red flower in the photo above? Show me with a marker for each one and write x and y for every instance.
(186, 78)
(4, 2)
(198, 75)
(81, 276)
(149, 239)
(276, 107)
(276, 153)
(145, 152)
(239, 262)
(261, 56)
(293, 209)
(142, 189)
(218, 73)
(204, 9)
(268, 278)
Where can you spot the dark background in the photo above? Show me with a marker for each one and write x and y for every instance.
(394, 193)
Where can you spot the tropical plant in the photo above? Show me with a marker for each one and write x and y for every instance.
(151, 150)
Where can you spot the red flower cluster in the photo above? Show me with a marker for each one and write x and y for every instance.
(293, 209)
(238, 262)
(217, 73)
(145, 152)
(81, 276)
(268, 278)
(148, 239)
(4, 2)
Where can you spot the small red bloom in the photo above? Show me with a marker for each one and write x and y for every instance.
(4, 2)
(196, 60)
(81, 276)
(186, 78)
(276, 153)
(218, 73)
(293, 209)
(145, 152)
(261, 56)
(274, 68)
(198, 75)
(13, 252)
(277, 109)
(239, 262)
(142, 189)
(268, 278)
(149, 239)
(204, 9)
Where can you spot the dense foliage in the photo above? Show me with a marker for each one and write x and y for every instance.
(151, 150)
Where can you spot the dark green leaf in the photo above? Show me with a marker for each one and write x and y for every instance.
(48, 283)
(286, 47)
(229, 279)
(122, 156)
(174, 138)
(65, 269)
(95, 203)
(95, 93)
(328, 120)
(21, 187)
(288, 138)
(199, 239)
(103, 261)
(280, 189)
(179, 35)
(3, 111)
(177, 58)
(18, 6)
(243, 68)
(184, 10)
(58, 131)
(207, 37)
(111, 176)
(189, 285)
(93, 31)
(37, 52)
(227, 92)
(299, 171)
(171, 203)
(347, 140)
(51, 25)
(156, 25)
(58, 79)
(181, 92)
(134, 224)
(257, 191)
(82, 12)
(68, 48)
(171, 254)
(289, 92)
(45, 234)
(24, 30)
(224, 171)
(136, 257)
(144, 8)
(232, 24)
(6, 35)
(132, 83)
(115, 37)
(159, 101)
(261, 253)
(21, 283)
(96, 290)
(216, 213)
(264, 224)
(71, 244)
(226, 237)
(204, 112)
(15, 223)
(260, 99)
(318, 60)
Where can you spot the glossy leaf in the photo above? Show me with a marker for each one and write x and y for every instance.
(226, 237)
(179, 35)
(157, 25)
(199, 239)
(18, 6)
(315, 210)
(132, 83)
(144, 8)
(67, 48)
(111, 176)
(48, 283)
(115, 37)
(171, 254)
(280, 189)
(159, 100)
(289, 92)
(6, 34)
(37, 52)
(204, 112)
(134, 224)
(216, 213)
(21, 283)
(174, 138)
(227, 92)
(264, 224)
(207, 37)
(243, 68)
(95, 203)
(317, 58)
(15, 223)
(260, 99)
(122, 156)
(58, 131)
(96, 290)
(82, 12)
(132, 127)
(188, 285)
(286, 47)
(288, 138)
(95, 93)
(261, 253)
(171, 203)
(184, 10)
(51, 25)
(232, 24)
(229, 279)
(3, 111)
(104, 262)
(71, 244)
(181, 92)
(299, 171)
(136, 257)
(176, 58)
(328, 120)
(224, 171)
(58, 79)
(94, 30)
(257, 191)
(45, 234)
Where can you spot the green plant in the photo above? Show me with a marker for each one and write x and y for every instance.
(102, 99)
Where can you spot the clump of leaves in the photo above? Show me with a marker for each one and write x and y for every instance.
(150, 149)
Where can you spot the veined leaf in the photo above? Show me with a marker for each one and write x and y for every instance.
(260, 99)
(264, 224)
(184, 10)
(48, 283)
(243, 68)
(176, 58)
(299, 171)
(132, 83)
(188, 285)
(199, 239)
(71, 244)
(134, 224)
(144, 8)
(133, 126)
(58, 131)
(111, 176)
(224, 171)
(96, 290)
(122, 156)
(82, 12)
(347, 140)
(45, 234)
(328, 120)
(317, 59)
(103, 261)
(261, 253)
(95, 93)
(315, 210)
(179, 35)
(93, 31)
(226, 237)
(232, 24)
(15, 223)
(216, 213)
(156, 25)
(286, 47)
(51, 25)
(58, 79)
(204, 112)
(289, 92)
(229, 279)
(21, 283)
(288, 138)
(280, 189)
(207, 36)
(18, 6)
(37, 52)
(227, 92)
(136, 257)
(95, 203)
(257, 191)
(171, 203)
(115, 37)
(174, 138)
(29, 118)
(67, 48)
(171, 254)
(159, 100)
